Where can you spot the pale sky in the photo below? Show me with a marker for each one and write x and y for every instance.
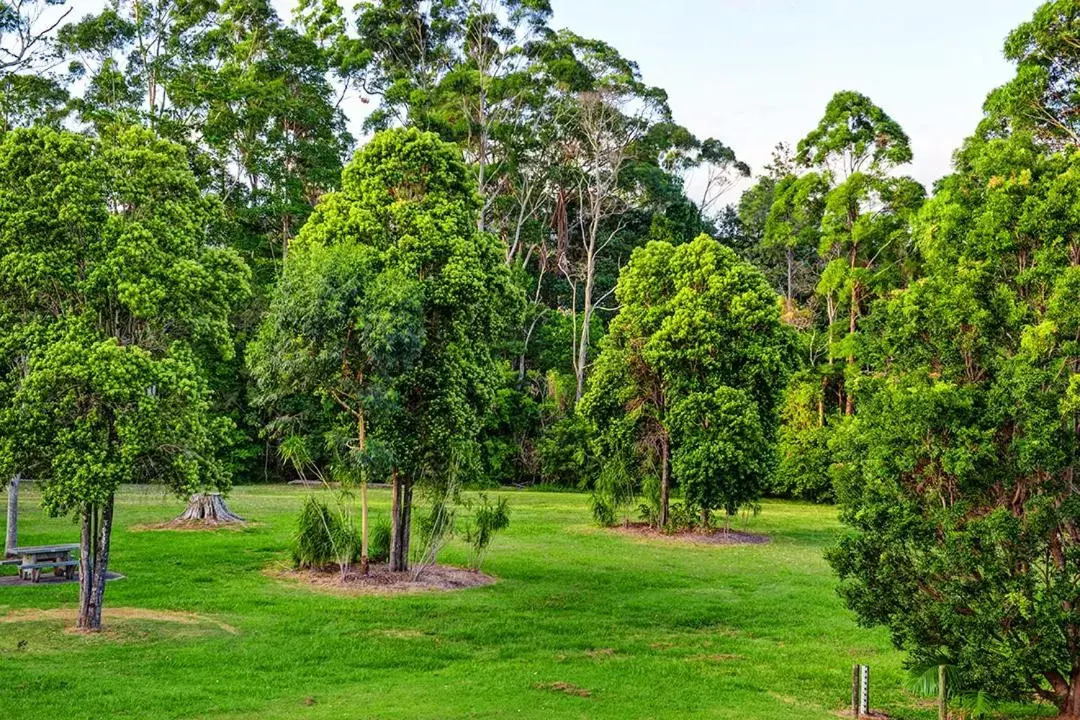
(754, 72)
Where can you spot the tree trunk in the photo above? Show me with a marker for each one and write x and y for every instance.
(790, 268)
(361, 439)
(400, 512)
(208, 508)
(1070, 708)
(11, 539)
(586, 320)
(665, 480)
(94, 563)
(821, 402)
(364, 561)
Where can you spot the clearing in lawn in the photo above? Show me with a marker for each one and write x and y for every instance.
(582, 622)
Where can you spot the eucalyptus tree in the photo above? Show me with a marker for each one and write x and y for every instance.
(1044, 96)
(689, 377)
(115, 294)
(30, 89)
(864, 223)
(793, 228)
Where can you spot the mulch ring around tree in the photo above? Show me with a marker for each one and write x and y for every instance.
(192, 526)
(380, 581)
(696, 536)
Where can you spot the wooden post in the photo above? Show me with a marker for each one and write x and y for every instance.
(942, 695)
(855, 690)
(12, 538)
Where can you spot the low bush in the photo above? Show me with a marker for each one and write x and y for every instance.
(324, 537)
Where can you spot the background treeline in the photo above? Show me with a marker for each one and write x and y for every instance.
(577, 161)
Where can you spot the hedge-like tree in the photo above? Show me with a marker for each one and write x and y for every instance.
(959, 473)
(690, 374)
(113, 291)
(388, 313)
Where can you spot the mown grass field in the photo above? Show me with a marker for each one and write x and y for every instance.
(628, 628)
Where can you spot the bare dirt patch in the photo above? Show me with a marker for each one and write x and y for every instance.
(191, 526)
(380, 581)
(697, 537)
(111, 615)
(565, 688)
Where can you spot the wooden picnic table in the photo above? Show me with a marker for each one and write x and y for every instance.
(36, 558)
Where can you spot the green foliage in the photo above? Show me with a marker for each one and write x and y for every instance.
(614, 492)
(691, 373)
(956, 476)
(855, 134)
(1044, 95)
(115, 295)
(325, 537)
(379, 540)
(721, 457)
(488, 519)
(564, 453)
(803, 445)
(389, 309)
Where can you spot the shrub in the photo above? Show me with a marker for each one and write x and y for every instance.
(379, 541)
(614, 493)
(564, 453)
(324, 537)
(488, 519)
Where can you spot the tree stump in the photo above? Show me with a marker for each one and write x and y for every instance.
(209, 509)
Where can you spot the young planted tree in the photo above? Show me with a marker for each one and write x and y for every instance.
(958, 475)
(114, 293)
(393, 312)
(342, 326)
(690, 374)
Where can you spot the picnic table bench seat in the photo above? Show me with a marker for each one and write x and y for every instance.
(33, 559)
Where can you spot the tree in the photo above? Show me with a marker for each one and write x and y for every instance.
(689, 377)
(114, 295)
(1044, 96)
(958, 475)
(393, 314)
(793, 227)
(864, 220)
(30, 92)
(341, 327)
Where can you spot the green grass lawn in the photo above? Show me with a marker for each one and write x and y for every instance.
(649, 629)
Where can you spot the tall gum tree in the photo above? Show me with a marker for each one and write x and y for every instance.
(115, 294)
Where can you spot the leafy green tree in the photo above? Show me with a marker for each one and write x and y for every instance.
(1044, 96)
(689, 377)
(854, 135)
(115, 294)
(793, 227)
(958, 474)
(393, 314)
(30, 90)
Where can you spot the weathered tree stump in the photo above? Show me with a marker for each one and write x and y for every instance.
(208, 508)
